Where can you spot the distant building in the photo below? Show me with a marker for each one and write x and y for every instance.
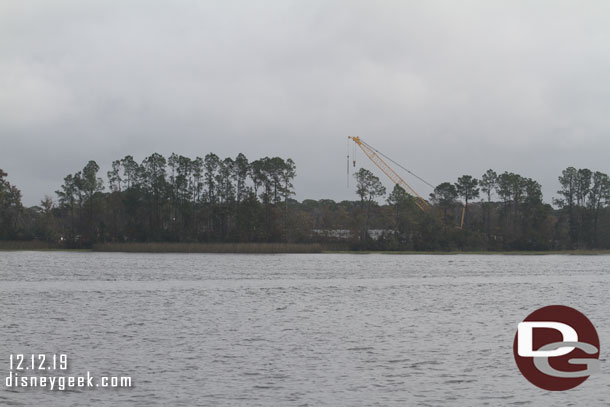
(338, 234)
(346, 234)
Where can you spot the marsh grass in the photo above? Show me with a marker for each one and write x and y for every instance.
(25, 245)
(12, 245)
(208, 247)
(507, 253)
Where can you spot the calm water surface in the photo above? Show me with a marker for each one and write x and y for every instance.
(293, 330)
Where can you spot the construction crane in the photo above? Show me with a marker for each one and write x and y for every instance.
(375, 156)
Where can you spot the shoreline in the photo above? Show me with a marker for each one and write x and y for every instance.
(482, 252)
(263, 248)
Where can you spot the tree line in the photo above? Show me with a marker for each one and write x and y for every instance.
(171, 199)
(209, 199)
(495, 212)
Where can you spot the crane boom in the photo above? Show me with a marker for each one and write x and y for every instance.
(389, 171)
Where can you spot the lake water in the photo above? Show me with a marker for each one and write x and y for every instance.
(293, 330)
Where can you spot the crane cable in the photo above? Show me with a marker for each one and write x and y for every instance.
(407, 170)
(348, 163)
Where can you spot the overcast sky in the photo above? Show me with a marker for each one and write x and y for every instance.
(444, 87)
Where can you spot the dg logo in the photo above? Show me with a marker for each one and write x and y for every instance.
(556, 348)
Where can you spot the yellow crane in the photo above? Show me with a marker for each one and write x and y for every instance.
(375, 156)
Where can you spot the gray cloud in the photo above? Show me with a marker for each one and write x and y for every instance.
(445, 88)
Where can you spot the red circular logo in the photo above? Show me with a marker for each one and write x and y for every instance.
(556, 348)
